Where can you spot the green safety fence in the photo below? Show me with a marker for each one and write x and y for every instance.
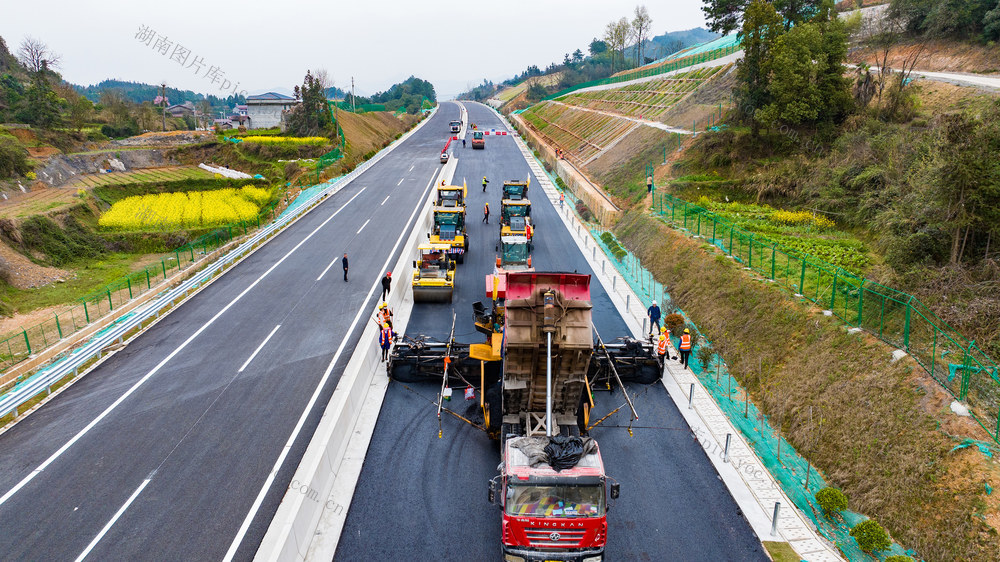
(358, 108)
(23, 344)
(797, 477)
(893, 316)
(652, 71)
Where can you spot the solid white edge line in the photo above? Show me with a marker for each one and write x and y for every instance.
(384, 200)
(238, 539)
(160, 365)
(259, 347)
(325, 270)
(363, 227)
(111, 523)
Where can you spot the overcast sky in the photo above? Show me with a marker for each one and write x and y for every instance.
(258, 45)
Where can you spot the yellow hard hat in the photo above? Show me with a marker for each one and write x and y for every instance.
(386, 325)
(384, 305)
(686, 331)
(663, 329)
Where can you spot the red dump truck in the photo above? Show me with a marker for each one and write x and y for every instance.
(552, 488)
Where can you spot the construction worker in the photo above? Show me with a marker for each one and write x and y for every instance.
(385, 340)
(649, 184)
(386, 283)
(344, 261)
(685, 347)
(661, 347)
(486, 213)
(485, 181)
(562, 197)
(653, 312)
(463, 142)
(385, 314)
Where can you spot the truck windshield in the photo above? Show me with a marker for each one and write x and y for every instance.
(515, 253)
(448, 218)
(555, 501)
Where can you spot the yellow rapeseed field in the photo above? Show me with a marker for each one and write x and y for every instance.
(178, 211)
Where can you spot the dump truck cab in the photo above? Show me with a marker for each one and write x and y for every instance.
(478, 139)
(515, 208)
(456, 126)
(449, 220)
(433, 274)
(549, 514)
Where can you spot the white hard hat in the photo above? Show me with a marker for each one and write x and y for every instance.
(654, 303)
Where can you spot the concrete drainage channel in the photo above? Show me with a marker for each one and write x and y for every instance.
(90, 355)
(312, 513)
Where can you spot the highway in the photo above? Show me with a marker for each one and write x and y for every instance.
(181, 445)
(420, 497)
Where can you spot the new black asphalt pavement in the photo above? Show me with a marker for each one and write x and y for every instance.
(421, 497)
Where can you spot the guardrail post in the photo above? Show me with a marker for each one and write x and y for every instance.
(802, 279)
(111, 305)
(691, 397)
(833, 292)
(129, 281)
(861, 299)
(906, 326)
(148, 285)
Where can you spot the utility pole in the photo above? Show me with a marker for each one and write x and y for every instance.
(163, 100)
(353, 108)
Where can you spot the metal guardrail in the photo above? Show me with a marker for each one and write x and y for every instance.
(43, 380)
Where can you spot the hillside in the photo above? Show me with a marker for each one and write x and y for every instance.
(672, 41)
(868, 194)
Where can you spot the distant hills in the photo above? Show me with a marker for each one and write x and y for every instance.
(673, 41)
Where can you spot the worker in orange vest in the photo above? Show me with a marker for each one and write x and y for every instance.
(661, 347)
(385, 315)
(486, 213)
(685, 347)
(385, 340)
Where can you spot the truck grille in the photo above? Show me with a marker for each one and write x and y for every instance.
(554, 538)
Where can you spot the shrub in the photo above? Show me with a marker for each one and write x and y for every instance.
(13, 158)
(674, 323)
(704, 355)
(870, 536)
(120, 131)
(831, 500)
(585, 214)
(291, 168)
(899, 558)
(560, 182)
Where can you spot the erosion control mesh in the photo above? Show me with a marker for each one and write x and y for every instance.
(782, 461)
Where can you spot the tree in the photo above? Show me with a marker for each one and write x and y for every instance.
(36, 55)
(641, 25)
(761, 27)
(616, 35)
(597, 47)
(724, 16)
(41, 104)
(577, 56)
(80, 111)
(312, 115)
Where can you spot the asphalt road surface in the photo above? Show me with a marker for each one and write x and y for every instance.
(424, 498)
(162, 451)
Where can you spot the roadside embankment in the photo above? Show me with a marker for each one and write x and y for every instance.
(881, 431)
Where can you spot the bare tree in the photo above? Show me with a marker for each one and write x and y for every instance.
(36, 55)
(617, 34)
(324, 78)
(641, 25)
(881, 33)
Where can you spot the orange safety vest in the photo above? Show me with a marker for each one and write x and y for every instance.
(486, 208)
(686, 342)
(386, 315)
(385, 338)
(662, 346)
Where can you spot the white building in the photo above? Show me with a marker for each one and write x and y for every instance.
(265, 110)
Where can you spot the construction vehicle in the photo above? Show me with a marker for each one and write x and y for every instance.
(456, 126)
(449, 220)
(515, 210)
(433, 273)
(478, 140)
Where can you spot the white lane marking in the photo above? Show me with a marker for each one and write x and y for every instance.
(362, 227)
(238, 539)
(259, 347)
(160, 365)
(107, 527)
(384, 200)
(400, 180)
(411, 168)
(325, 270)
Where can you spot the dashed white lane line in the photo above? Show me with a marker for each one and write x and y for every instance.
(259, 347)
(111, 523)
(362, 227)
(384, 200)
